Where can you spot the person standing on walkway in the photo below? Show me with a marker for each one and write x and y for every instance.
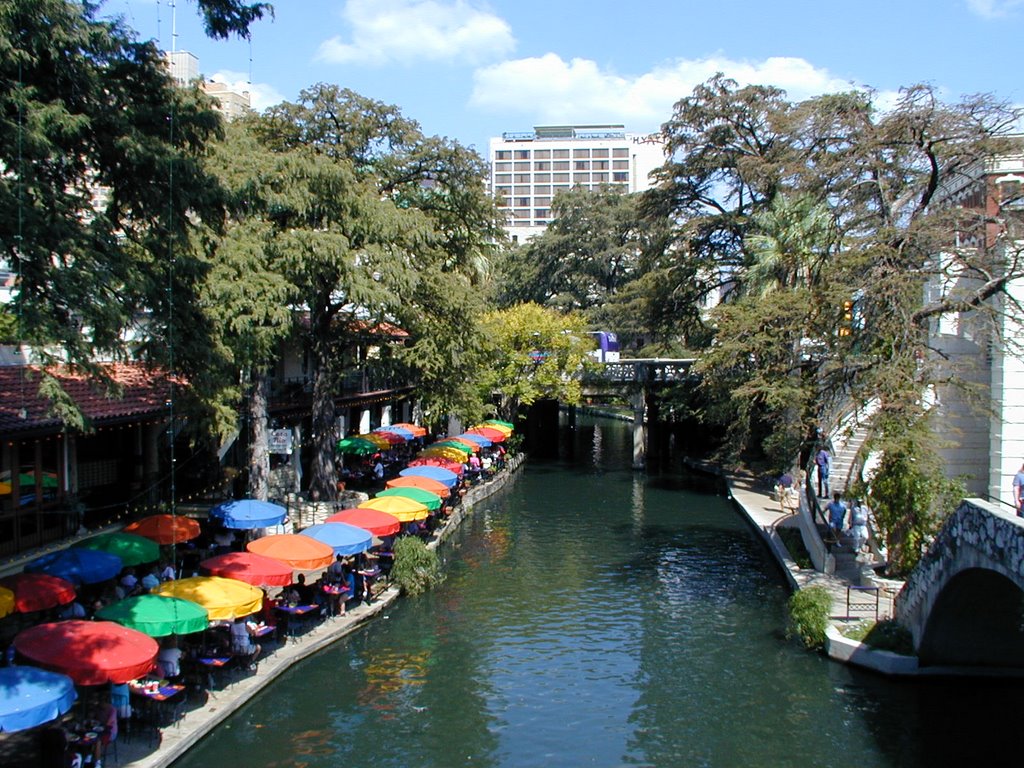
(823, 460)
(836, 516)
(859, 524)
(1018, 491)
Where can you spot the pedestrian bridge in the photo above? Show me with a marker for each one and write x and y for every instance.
(964, 603)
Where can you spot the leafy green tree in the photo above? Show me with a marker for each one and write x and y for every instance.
(223, 18)
(535, 353)
(102, 189)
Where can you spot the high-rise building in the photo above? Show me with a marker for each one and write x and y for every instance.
(528, 169)
(184, 68)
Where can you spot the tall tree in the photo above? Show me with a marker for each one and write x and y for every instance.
(101, 187)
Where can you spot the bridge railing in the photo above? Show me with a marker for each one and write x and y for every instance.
(643, 370)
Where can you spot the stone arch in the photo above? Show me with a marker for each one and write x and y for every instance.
(976, 620)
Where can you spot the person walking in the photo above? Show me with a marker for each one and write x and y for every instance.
(1018, 491)
(823, 460)
(859, 524)
(836, 516)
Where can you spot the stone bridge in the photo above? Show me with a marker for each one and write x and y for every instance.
(964, 603)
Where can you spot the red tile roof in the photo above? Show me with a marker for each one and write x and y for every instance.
(145, 392)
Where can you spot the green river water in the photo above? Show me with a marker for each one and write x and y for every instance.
(593, 616)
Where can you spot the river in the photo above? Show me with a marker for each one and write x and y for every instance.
(596, 616)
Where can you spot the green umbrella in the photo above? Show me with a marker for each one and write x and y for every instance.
(508, 424)
(156, 615)
(132, 549)
(430, 500)
(357, 446)
(452, 444)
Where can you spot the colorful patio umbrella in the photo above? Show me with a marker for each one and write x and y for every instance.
(415, 481)
(440, 474)
(446, 452)
(373, 520)
(391, 438)
(431, 500)
(357, 446)
(300, 552)
(132, 549)
(223, 599)
(472, 445)
(157, 615)
(38, 591)
(165, 529)
(439, 461)
(480, 440)
(453, 443)
(416, 429)
(6, 602)
(406, 510)
(400, 431)
(89, 652)
(33, 696)
(258, 570)
(494, 435)
(499, 423)
(377, 439)
(343, 538)
(79, 566)
(248, 513)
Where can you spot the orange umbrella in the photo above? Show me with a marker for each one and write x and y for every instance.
(165, 529)
(406, 510)
(426, 483)
(417, 430)
(373, 520)
(300, 552)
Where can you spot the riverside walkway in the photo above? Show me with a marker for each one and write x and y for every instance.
(157, 748)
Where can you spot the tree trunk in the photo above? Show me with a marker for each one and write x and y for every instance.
(259, 443)
(325, 476)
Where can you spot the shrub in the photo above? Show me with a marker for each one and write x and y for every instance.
(809, 610)
(416, 568)
(794, 542)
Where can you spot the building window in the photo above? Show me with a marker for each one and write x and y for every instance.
(581, 153)
(522, 201)
(521, 178)
(503, 166)
(522, 154)
(541, 213)
(503, 154)
(581, 165)
(561, 188)
(580, 178)
(522, 166)
(561, 165)
(502, 191)
(542, 189)
(542, 201)
(521, 213)
(560, 153)
(599, 178)
(557, 177)
(503, 178)
(620, 177)
(545, 166)
(600, 165)
(542, 154)
(620, 165)
(600, 152)
(523, 189)
(521, 223)
(620, 152)
(541, 177)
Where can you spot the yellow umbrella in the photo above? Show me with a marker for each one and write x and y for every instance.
(223, 599)
(5, 488)
(6, 602)
(378, 440)
(445, 452)
(406, 510)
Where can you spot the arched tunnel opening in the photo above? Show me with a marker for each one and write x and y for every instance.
(978, 620)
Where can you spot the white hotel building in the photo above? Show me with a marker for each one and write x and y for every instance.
(529, 169)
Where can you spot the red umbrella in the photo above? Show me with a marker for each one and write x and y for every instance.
(89, 652)
(438, 461)
(249, 567)
(38, 591)
(494, 435)
(165, 529)
(373, 520)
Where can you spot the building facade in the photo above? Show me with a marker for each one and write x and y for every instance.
(184, 68)
(528, 169)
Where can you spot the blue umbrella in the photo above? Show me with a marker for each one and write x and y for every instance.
(480, 440)
(249, 513)
(440, 474)
(78, 565)
(400, 431)
(33, 696)
(344, 538)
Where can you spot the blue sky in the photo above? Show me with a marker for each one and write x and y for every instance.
(472, 69)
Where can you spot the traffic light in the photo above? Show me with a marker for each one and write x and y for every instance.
(846, 325)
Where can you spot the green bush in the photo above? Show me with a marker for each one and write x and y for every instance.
(809, 611)
(794, 542)
(416, 568)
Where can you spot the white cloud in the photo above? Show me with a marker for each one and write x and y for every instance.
(261, 95)
(408, 31)
(552, 90)
(993, 9)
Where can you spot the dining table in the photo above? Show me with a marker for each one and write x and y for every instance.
(298, 618)
(159, 701)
